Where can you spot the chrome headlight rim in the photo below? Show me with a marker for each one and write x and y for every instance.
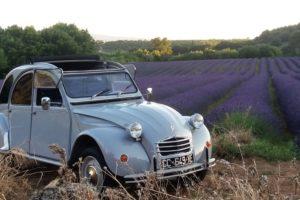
(196, 120)
(135, 130)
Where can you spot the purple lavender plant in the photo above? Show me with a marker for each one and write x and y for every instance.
(288, 90)
(197, 99)
(252, 95)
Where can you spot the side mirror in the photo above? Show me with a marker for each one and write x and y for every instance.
(45, 102)
(149, 94)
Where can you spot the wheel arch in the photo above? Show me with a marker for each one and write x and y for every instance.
(113, 142)
(81, 142)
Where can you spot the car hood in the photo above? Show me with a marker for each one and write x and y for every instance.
(159, 122)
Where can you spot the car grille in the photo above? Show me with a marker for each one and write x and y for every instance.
(174, 145)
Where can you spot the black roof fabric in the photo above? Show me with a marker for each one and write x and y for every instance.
(66, 58)
(73, 63)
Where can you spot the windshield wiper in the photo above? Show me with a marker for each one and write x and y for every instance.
(128, 86)
(100, 93)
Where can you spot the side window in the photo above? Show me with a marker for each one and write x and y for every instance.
(46, 87)
(5, 90)
(23, 91)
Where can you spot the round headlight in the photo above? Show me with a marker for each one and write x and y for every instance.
(135, 129)
(196, 120)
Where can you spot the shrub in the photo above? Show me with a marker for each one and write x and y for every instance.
(259, 51)
(227, 53)
(249, 52)
(242, 134)
(266, 50)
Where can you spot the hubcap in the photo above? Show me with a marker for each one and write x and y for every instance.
(91, 170)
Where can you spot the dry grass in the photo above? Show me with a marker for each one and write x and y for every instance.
(238, 179)
(65, 186)
(251, 180)
(230, 145)
(13, 180)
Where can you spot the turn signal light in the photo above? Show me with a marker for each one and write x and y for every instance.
(208, 144)
(124, 158)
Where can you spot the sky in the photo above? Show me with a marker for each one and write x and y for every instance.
(146, 19)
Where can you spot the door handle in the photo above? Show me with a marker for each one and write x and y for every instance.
(9, 111)
(34, 113)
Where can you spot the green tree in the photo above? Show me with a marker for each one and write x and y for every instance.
(64, 39)
(227, 53)
(163, 46)
(20, 44)
(266, 50)
(3, 63)
(13, 45)
(249, 51)
(294, 42)
(209, 53)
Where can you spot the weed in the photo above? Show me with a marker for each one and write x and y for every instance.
(247, 135)
(65, 186)
(13, 181)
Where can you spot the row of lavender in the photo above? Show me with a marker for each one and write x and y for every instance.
(189, 92)
(285, 75)
(253, 96)
(221, 86)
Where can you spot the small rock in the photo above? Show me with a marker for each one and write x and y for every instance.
(225, 162)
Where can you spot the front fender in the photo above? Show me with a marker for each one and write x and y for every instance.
(113, 142)
(200, 137)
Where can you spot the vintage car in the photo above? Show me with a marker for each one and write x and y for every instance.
(95, 111)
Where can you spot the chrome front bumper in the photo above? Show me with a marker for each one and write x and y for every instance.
(170, 173)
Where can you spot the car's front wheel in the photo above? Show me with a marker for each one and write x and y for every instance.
(91, 167)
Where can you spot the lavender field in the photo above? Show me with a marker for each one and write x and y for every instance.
(268, 88)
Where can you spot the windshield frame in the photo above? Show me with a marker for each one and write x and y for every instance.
(109, 97)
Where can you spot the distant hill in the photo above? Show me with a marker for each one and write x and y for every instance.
(124, 45)
(178, 46)
(278, 37)
(286, 38)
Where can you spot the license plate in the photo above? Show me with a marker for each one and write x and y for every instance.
(177, 161)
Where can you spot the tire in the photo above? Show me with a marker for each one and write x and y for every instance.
(91, 167)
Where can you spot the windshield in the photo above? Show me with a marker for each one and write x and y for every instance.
(102, 84)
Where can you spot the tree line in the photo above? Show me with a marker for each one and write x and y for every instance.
(224, 49)
(283, 41)
(18, 45)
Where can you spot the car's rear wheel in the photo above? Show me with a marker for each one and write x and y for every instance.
(91, 167)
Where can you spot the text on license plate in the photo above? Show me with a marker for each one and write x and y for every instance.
(177, 161)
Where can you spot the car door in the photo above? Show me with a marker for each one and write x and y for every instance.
(20, 112)
(52, 125)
